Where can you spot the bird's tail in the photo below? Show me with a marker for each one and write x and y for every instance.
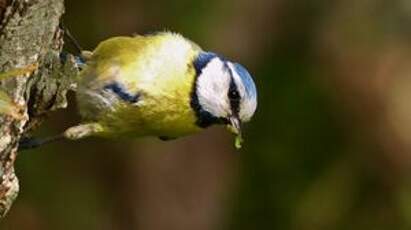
(80, 55)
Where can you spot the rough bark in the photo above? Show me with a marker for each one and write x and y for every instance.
(29, 34)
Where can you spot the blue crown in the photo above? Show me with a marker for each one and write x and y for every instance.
(251, 91)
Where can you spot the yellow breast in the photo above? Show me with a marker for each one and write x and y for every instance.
(159, 69)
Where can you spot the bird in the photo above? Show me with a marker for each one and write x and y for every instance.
(160, 85)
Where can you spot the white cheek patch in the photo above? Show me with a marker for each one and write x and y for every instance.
(248, 104)
(212, 88)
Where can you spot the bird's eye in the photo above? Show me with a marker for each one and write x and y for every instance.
(233, 95)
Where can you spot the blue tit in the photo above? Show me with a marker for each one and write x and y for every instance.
(161, 85)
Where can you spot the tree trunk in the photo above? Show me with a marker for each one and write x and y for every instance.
(29, 34)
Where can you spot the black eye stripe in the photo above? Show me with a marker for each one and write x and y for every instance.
(234, 97)
(233, 93)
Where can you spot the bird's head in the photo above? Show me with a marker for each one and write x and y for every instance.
(224, 92)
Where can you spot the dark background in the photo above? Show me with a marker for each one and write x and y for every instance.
(329, 146)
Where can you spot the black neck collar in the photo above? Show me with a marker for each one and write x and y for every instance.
(204, 118)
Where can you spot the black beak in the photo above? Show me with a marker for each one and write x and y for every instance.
(234, 126)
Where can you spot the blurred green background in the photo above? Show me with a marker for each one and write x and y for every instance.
(328, 148)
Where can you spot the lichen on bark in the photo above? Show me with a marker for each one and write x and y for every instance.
(29, 34)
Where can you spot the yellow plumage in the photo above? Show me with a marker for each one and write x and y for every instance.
(156, 68)
(160, 85)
